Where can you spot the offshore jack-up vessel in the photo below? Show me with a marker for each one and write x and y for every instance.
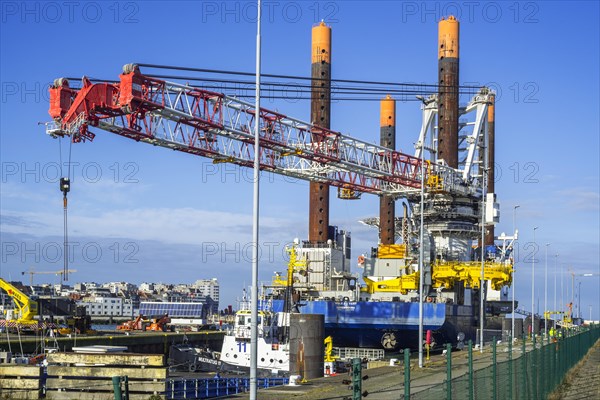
(384, 312)
(445, 228)
(446, 188)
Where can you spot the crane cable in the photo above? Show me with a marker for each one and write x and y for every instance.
(65, 187)
(226, 72)
(294, 91)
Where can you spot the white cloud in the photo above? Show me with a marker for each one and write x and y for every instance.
(581, 199)
(179, 225)
(12, 190)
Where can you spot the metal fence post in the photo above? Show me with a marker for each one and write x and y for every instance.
(510, 370)
(524, 357)
(534, 369)
(116, 380)
(448, 371)
(126, 384)
(543, 370)
(581, 353)
(565, 352)
(471, 383)
(559, 360)
(406, 374)
(552, 364)
(494, 372)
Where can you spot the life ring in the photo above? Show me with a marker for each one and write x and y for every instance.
(361, 259)
(429, 299)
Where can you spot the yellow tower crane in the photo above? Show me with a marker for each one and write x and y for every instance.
(32, 272)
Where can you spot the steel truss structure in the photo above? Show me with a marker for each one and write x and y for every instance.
(220, 127)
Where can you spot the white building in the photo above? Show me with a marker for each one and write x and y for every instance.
(107, 306)
(120, 287)
(147, 287)
(209, 288)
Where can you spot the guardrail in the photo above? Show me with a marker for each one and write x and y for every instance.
(532, 371)
(348, 353)
(206, 388)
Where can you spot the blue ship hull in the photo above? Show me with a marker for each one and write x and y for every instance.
(364, 324)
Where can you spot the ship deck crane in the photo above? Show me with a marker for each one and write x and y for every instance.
(213, 125)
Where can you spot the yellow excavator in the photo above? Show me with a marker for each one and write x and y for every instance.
(26, 308)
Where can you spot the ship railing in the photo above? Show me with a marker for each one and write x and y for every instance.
(307, 244)
(490, 334)
(348, 353)
(245, 332)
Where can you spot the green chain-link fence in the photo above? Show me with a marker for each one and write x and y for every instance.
(531, 370)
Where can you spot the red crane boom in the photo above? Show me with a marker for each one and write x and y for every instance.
(217, 126)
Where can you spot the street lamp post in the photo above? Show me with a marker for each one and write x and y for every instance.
(533, 287)
(546, 292)
(562, 290)
(255, 220)
(514, 262)
(555, 273)
(421, 252)
(579, 299)
(481, 278)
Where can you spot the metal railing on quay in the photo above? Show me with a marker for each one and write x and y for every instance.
(533, 368)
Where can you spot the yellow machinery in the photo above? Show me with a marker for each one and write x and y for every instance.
(444, 274)
(391, 251)
(400, 284)
(27, 308)
(329, 357)
(294, 265)
(348, 194)
(566, 320)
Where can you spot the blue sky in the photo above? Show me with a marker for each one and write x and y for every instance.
(140, 213)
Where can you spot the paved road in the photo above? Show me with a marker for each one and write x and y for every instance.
(585, 382)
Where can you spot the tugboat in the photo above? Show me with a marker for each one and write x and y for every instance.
(273, 343)
(273, 331)
(185, 357)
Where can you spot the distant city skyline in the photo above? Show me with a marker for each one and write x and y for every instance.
(126, 299)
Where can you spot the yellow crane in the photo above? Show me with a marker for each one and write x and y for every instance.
(32, 272)
(26, 307)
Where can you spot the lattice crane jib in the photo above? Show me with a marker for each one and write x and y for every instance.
(220, 127)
